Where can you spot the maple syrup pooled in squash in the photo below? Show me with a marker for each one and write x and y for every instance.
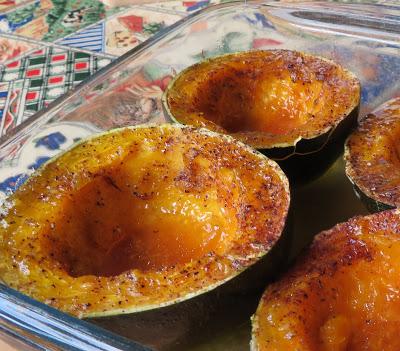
(141, 217)
(343, 294)
(372, 155)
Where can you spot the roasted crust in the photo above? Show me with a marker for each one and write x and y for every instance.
(350, 272)
(372, 154)
(36, 219)
(264, 98)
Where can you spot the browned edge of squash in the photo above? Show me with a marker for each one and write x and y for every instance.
(296, 309)
(306, 157)
(377, 181)
(184, 320)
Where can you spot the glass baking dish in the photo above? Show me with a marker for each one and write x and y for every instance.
(364, 38)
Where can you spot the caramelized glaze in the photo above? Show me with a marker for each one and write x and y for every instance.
(373, 154)
(139, 215)
(343, 294)
(264, 98)
(139, 218)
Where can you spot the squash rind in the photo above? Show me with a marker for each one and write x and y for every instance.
(78, 306)
(287, 309)
(300, 150)
(366, 149)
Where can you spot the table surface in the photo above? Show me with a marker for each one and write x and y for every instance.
(49, 46)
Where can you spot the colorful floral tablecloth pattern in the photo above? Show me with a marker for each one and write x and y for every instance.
(49, 46)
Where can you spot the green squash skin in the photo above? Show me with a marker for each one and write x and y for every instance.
(308, 159)
(313, 157)
(364, 192)
(372, 205)
(196, 320)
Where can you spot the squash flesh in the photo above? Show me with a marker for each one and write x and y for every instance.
(372, 154)
(343, 295)
(229, 98)
(129, 219)
(281, 96)
(214, 196)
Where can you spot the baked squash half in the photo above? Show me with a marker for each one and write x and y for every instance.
(295, 108)
(372, 156)
(343, 294)
(139, 218)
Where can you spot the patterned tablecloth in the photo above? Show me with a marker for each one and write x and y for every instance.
(49, 46)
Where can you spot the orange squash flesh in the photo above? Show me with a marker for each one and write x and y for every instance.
(343, 294)
(264, 98)
(372, 156)
(139, 218)
(105, 232)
